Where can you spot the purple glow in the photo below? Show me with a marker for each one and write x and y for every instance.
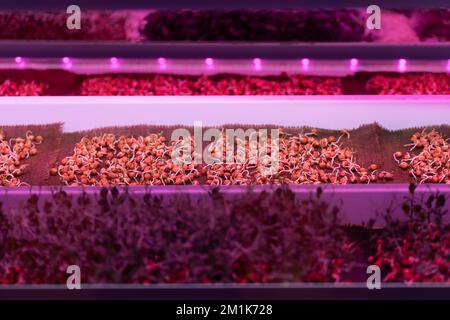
(448, 65)
(20, 62)
(353, 64)
(257, 63)
(67, 63)
(209, 62)
(162, 63)
(401, 65)
(114, 62)
(305, 63)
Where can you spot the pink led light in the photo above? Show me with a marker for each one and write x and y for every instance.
(401, 65)
(257, 63)
(162, 63)
(20, 62)
(448, 65)
(67, 63)
(209, 62)
(114, 62)
(305, 63)
(353, 64)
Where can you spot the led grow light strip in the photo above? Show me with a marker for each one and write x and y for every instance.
(240, 66)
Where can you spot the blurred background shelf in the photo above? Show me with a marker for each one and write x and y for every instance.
(224, 50)
(217, 4)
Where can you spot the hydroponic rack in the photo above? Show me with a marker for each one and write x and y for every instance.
(360, 203)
